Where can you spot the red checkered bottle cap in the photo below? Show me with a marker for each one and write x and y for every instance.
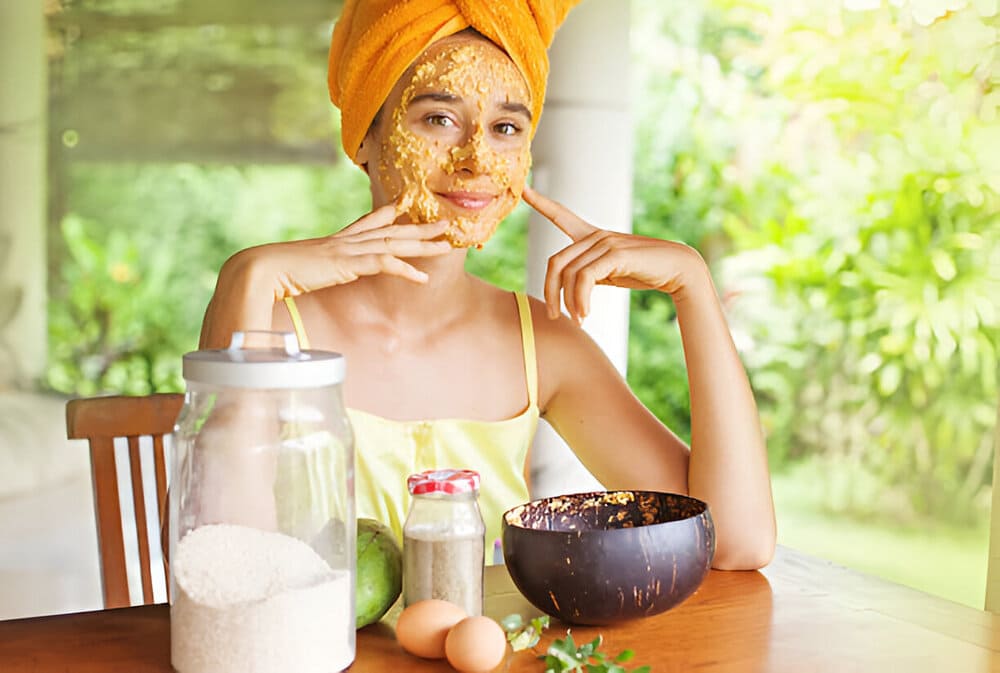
(450, 482)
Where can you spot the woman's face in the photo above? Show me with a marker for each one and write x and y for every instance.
(453, 141)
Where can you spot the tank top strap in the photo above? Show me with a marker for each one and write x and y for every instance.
(528, 346)
(300, 329)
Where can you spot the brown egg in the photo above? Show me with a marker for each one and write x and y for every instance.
(475, 645)
(423, 626)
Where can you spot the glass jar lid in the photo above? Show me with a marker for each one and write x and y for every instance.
(267, 367)
(449, 482)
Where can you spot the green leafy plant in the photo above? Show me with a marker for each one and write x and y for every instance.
(848, 208)
(564, 655)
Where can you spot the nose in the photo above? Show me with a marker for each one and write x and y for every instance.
(469, 157)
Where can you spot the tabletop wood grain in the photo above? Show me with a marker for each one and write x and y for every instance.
(800, 614)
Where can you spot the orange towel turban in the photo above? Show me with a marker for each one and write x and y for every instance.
(375, 41)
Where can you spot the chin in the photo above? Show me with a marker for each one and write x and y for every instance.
(473, 232)
(465, 233)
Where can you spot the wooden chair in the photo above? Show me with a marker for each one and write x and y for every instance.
(100, 420)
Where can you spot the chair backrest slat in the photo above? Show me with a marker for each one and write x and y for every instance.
(139, 503)
(159, 466)
(111, 541)
(100, 420)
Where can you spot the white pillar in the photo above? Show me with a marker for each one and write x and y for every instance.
(23, 102)
(583, 159)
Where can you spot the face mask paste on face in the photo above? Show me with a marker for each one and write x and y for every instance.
(415, 168)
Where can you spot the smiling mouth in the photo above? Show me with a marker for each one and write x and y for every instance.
(473, 201)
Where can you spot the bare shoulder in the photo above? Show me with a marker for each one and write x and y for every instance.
(559, 333)
(553, 333)
(566, 353)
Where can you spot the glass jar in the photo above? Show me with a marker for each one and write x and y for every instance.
(262, 520)
(444, 540)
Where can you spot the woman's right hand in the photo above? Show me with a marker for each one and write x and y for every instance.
(373, 244)
(253, 280)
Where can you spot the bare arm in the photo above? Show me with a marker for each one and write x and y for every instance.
(593, 409)
(620, 440)
(729, 457)
(242, 301)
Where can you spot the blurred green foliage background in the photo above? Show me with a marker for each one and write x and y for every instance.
(837, 163)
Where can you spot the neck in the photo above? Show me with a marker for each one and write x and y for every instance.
(398, 302)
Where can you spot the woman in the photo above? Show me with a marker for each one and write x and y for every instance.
(439, 101)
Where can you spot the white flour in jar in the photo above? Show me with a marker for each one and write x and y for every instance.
(251, 601)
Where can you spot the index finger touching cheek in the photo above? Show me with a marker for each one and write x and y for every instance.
(568, 222)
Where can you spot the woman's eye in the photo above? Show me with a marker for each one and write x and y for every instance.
(506, 128)
(439, 120)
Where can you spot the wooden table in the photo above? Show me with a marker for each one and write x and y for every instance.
(800, 615)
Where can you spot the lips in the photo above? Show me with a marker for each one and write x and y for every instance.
(473, 201)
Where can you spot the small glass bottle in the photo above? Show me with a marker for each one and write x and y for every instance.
(444, 540)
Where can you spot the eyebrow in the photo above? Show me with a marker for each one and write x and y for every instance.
(439, 97)
(519, 108)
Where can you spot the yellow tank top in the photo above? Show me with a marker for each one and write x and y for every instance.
(388, 451)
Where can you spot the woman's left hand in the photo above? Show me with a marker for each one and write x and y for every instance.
(600, 257)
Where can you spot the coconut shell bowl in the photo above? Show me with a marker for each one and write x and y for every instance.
(606, 557)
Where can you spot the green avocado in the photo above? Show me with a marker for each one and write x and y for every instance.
(379, 571)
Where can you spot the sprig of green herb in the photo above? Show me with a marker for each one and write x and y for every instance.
(563, 655)
(523, 636)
